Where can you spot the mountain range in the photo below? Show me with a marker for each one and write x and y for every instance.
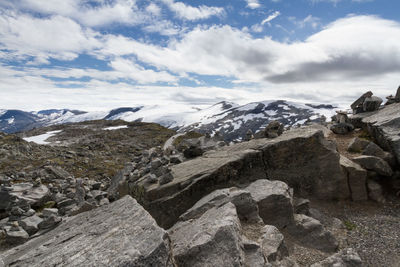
(231, 120)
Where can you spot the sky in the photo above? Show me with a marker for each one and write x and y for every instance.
(103, 54)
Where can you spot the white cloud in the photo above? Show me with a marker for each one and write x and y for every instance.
(253, 4)
(54, 37)
(271, 17)
(187, 12)
(153, 9)
(101, 14)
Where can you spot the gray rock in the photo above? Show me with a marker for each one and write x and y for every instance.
(176, 159)
(119, 234)
(166, 178)
(273, 129)
(253, 254)
(211, 240)
(356, 177)
(357, 145)
(34, 196)
(383, 125)
(302, 158)
(310, 232)
(301, 205)
(373, 149)
(47, 212)
(360, 101)
(246, 207)
(15, 235)
(342, 128)
(272, 244)
(98, 195)
(344, 258)
(83, 207)
(31, 224)
(375, 164)
(274, 201)
(50, 222)
(375, 191)
(372, 103)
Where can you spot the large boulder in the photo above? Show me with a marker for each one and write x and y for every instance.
(274, 202)
(375, 164)
(272, 244)
(356, 177)
(357, 145)
(302, 158)
(372, 103)
(342, 128)
(119, 234)
(212, 240)
(384, 126)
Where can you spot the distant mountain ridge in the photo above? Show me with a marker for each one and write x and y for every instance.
(231, 120)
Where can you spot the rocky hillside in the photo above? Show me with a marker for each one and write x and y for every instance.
(310, 196)
(93, 149)
(232, 121)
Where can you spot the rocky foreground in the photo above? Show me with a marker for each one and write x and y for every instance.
(303, 197)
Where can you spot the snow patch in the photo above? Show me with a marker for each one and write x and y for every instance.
(10, 120)
(116, 127)
(41, 139)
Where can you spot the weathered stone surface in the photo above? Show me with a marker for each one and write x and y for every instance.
(375, 191)
(15, 235)
(246, 206)
(375, 164)
(272, 244)
(344, 258)
(35, 196)
(274, 201)
(357, 179)
(357, 145)
(211, 240)
(384, 126)
(253, 254)
(373, 149)
(301, 205)
(31, 224)
(310, 232)
(372, 103)
(342, 128)
(302, 158)
(119, 234)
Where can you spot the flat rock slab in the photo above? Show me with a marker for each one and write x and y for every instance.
(35, 196)
(357, 179)
(301, 157)
(384, 126)
(119, 234)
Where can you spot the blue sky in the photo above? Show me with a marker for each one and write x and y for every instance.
(102, 54)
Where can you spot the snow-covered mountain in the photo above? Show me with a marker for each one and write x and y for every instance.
(229, 119)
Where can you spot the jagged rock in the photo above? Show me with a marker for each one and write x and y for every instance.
(249, 135)
(253, 254)
(211, 240)
(31, 224)
(272, 244)
(273, 129)
(15, 235)
(35, 196)
(166, 178)
(373, 149)
(342, 128)
(246, 207)
(48, 212)
(98, 195)
(383, 125)
(357, 106)
(356, 177)
(301, 157)
(49, 222)
(375, 164)
(193, 152)
(375, 191)
(372, 103)
(344, 258)
(357, 145)
(119, 234)
(176, 159)
(310, 232)
(301, 205)
(58, 172)
(274, 201)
